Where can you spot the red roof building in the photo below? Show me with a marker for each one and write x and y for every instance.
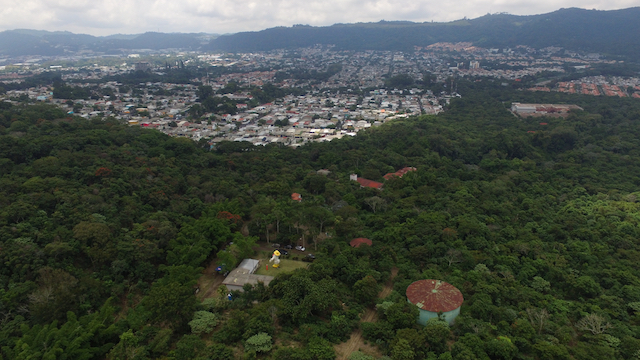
(359, 241)
(296, 197)
(366, 182)
(369, 183)
(400, 173)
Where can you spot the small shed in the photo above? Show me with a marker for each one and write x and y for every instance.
(359, 241)
(433, 297)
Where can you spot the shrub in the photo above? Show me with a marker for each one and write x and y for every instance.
(357, 355)
(203, 322)
(258, 343)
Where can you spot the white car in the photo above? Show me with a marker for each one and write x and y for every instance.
(300, 248)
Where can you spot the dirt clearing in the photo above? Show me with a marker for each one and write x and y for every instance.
(209, 282)
(356, 342)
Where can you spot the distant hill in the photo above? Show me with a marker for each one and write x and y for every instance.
(35, 42)
(609, 32)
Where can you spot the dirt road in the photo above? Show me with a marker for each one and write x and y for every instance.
(209, 282)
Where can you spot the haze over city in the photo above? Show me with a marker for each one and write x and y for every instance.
(226, 16)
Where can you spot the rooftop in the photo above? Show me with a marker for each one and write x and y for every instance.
(434, 295)
(369, 183)
(359, 241)
(244, 274)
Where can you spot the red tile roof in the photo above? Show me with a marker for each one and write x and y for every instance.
(369, 183)
(359, 241)
(296, 197)
(400, 173)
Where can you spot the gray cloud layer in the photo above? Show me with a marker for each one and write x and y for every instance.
(221, 16)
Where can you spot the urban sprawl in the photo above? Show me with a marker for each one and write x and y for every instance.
(359, 94)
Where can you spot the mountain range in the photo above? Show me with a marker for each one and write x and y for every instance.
(34, 42)
(608, 32)
(612, 32)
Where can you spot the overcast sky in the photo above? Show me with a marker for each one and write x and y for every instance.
(105, 17)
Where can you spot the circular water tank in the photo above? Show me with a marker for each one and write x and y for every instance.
(435, 296)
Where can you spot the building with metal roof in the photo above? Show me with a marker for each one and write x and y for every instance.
(244, 274)
(433, 297)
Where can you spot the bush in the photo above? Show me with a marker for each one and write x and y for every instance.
(258, 343)
(501, 348)
(233, 328)
(189, 347)
(377, 331)
(321, 349)
(357, 355)
(215, 304)
(203, 322)
(219, 352)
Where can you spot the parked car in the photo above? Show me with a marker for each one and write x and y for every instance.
(275, 245)
(300, 248)
(309, 258)
(288, 247)
(283, 252)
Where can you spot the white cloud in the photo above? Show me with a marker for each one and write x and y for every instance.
(221, 16)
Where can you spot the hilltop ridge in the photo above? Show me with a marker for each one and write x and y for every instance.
(611, 32)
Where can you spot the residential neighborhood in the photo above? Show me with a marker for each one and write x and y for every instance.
(326, 94)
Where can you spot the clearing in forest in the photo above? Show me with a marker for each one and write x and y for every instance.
(209, 282)
(211, 279)
(286, 266)
(356, 342)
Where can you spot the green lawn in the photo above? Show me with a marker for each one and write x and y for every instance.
(285, 267)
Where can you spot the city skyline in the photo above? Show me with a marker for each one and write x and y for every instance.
(225, 16)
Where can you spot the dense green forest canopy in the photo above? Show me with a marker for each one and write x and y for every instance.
(105, 230)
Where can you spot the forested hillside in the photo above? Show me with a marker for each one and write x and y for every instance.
(33, 42)
(610, 32)
(105, 230)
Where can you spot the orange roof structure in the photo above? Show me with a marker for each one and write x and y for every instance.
(296, 197)
(369, 183)
(434, 295)
(359, 241)
(400, 173)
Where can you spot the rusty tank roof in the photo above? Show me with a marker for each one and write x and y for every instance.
(434, 295)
